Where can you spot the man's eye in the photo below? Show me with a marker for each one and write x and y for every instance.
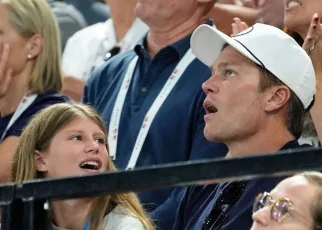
(230, 73)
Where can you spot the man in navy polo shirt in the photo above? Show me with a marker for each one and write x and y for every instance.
(262, 83)
(151, 98)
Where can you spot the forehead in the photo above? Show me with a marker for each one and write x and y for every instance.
(299, 190)
(230, 56)
(80, 123)
(292, 183)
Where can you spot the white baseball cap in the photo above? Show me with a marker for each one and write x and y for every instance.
(268, 47)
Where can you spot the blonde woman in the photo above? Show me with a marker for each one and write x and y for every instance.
(68, 140)
(30, 70)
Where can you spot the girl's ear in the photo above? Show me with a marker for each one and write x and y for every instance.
(40, 160)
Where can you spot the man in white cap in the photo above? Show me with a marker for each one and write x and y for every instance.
(262, 84)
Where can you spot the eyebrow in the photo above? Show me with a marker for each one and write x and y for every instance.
(224, 65)
(80, 131)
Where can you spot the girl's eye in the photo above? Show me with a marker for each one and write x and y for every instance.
(76, 137)
(100, 141)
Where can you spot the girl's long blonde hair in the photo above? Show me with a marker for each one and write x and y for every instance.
(38, 135)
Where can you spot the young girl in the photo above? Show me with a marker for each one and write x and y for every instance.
(69, 140)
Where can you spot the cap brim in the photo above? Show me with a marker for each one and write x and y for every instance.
(207, 43)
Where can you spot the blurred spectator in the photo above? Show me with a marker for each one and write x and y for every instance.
(87, 48)
(298, 18)
(250, 11)
(223, 15)
(69, 19)
(93, 11)
(67, 140)
(30, 69)
(313, 46)
(271, 12)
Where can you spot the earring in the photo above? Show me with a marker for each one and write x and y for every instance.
(29, 56)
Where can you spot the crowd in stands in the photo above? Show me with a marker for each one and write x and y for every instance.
(90, 86)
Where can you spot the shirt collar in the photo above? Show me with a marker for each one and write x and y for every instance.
(180, 46)
(291, 145)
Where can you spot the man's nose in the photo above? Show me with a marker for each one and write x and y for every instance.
(262, 216)
(210, 86)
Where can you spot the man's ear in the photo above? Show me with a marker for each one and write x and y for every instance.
(277, 97)
(41, 164)
(34, 46)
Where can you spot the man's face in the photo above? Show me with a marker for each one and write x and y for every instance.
(160, 11)
(301, 194)
(233, 104)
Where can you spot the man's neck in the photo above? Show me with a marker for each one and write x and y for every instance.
(262, 142)
(122, 14)
(159, 38)
(70, 214)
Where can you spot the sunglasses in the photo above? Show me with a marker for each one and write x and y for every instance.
(280, 208)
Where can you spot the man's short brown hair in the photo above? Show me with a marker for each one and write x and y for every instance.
(295, 109)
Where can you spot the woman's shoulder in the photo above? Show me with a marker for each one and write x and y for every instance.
(121, 219)
(42, 101)
(50, 98)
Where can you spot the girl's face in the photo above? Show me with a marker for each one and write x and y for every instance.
(76, 149)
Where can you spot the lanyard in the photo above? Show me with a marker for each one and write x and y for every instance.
(85, 227)
(148, 119)
(23, 105)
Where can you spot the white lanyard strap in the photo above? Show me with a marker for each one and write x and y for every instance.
(149, 117)
(23, 105)
(116, 113)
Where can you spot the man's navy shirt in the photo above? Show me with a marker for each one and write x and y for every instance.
(176, 133)
(236, 213)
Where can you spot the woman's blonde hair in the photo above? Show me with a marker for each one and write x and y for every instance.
(30, 17)
(38, 135)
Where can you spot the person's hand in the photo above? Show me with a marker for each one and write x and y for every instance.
(238, 26)
(250, 3)
(313, 46)
(5, 72)
(271, 12)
